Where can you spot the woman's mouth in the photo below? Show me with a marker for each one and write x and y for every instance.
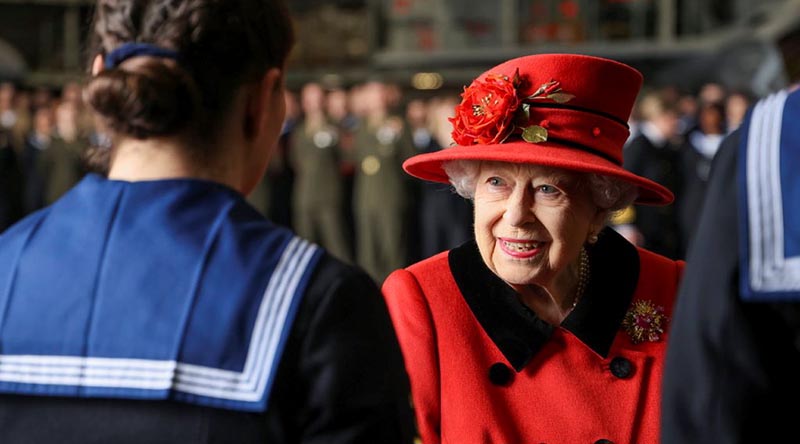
(519, 249)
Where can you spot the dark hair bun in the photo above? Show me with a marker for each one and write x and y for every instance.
(155, 98)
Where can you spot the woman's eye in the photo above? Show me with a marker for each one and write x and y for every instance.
(495, 181)
(547, 189)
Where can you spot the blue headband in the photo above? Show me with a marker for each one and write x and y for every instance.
(128, 50)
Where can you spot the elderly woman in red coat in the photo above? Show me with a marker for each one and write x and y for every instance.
(548, 327)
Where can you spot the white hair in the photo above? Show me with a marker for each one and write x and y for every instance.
(608, 193)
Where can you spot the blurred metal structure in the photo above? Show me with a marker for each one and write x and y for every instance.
(49, 35)
(677, 42)
(12, 64)
(741, 43)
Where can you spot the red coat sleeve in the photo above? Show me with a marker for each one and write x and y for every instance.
(413, 323)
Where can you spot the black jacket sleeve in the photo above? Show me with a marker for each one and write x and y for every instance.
(342, 377)
(732, 367)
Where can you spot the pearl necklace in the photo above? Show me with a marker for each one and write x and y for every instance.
(583, 278)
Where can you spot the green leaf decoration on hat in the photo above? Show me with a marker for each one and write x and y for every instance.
(551, 90)
(548, 87)
(523, 115)
(561, 97)
(534, 134)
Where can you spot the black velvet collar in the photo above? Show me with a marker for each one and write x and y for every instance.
(518, 332)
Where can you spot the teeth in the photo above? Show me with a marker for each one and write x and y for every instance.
(521, 246)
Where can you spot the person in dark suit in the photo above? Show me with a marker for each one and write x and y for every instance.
(696, 156)
(445, 218)
(733, 361)
(35, 159)
(152, 303)
(655, 154)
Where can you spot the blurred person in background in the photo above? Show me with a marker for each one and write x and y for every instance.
(736, 105)
(11, 183)
(655, 154)
(8, 116)
(356, 103)
(711, 92)
(35, 159)
(42, 97)
(280, 175)
(272, 197)
(393, 94)
(417, 118)
(23, 107)
(15, 114)
(733, 361)
(53, 155)
(318, 194)
(417, 112)
(687, 113)
(71, 96)
(337, 106)
(338, 109)
(381, 195)
(153, 304)
(548, 326)
(445, 218)
(11, 180)
(696, 156)
(61, 164)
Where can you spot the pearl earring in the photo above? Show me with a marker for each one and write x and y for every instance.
(592, 239)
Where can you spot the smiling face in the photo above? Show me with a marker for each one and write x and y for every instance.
(531, 222)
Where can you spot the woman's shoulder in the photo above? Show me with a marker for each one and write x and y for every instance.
(659, 278)
(418, 275)
(437, 262)
(660, 265)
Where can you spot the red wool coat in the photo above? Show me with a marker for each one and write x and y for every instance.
(484, 369)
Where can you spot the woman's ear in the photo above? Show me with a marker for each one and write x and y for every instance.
(263, 108)
(598, 223)
(260, 114)
(97, 64)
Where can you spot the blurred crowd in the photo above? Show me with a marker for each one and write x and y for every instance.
(43, 138)
(674, 138)
(336, 177)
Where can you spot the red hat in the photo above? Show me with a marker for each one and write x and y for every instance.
(558, 110)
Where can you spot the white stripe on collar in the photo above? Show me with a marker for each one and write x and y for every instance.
(769, 269)
(249, 385)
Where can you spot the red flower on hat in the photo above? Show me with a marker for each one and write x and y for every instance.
(486, 112)
(492, 109)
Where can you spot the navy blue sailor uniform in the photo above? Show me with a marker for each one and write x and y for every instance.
(733, 364)
(171, 311)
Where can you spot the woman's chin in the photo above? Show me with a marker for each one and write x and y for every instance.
(518, 276)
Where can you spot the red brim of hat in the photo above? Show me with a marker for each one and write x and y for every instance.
(429, 166)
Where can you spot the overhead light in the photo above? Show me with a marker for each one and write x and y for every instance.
(331, 80)
(427, 80)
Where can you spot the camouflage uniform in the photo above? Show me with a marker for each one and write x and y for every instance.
(318, 188)
(381, 195)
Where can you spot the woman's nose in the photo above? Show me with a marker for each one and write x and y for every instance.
(519, 208)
